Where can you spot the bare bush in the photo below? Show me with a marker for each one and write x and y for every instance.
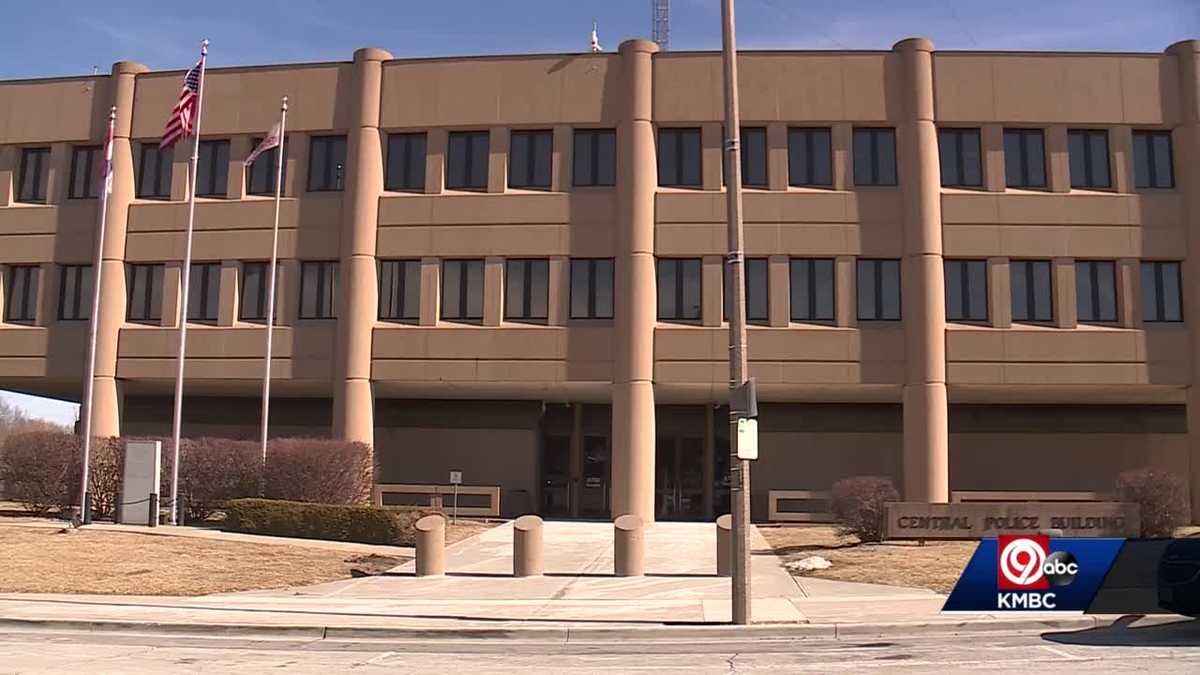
(1161, 498)
(858, 505)
(318, 470)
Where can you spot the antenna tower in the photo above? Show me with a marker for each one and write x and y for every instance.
(661, 15)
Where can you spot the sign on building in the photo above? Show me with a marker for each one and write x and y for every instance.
(919, 520)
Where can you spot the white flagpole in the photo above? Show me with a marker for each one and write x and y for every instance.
(266, 395)
(183, 301)
(85, 510)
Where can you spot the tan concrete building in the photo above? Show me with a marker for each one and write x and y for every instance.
(965, 268)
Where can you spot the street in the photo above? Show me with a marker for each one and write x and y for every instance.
(1170, 648)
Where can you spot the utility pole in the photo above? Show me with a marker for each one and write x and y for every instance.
(739, 493)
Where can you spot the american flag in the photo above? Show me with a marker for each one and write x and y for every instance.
(106, 165)
(183, 116)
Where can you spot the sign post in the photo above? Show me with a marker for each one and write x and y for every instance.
(455, 480)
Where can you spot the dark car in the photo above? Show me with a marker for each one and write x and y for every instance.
(1179, 577)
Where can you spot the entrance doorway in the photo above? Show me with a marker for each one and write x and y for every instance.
(679, 478)
(576, 462)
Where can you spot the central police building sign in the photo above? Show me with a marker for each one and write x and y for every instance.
(919, 520)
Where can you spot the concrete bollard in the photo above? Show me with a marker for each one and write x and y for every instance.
(527, 547)
(629, 546)
(724, 544)
(431, 546)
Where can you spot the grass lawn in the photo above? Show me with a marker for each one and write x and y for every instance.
(47, 560)
(935, 565)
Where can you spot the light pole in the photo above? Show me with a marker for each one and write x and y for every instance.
(739, 493)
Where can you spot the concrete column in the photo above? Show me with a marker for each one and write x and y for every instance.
(1000, 290)
(991, 138)
(779, 290)
(46, 301)
(562, 158)
(106, 391)
(712, 290)
(528, 560)
(926, 440)
(227, 305)
(712, 158)
(498, 140)
(1186, 140)
(172, 294)
(845, 290)
(558, 300)
(841, 138)
(235, 183)
(1128, 292)
(1059, 178)
(353, 403)
(1066, 313)
(1120, 141)
(777, 156)
(493, 291)
(629, 546)
(633, 432)
(8, 174)
(431, 546)
(435, 160)
(431, 273)
(58, 174)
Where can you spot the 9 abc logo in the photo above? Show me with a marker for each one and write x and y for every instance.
(1026, 564)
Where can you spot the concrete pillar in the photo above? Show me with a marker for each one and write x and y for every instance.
(724, 546)
(712, 290)
(1066, 312)
(431, 546)
(106, 392)
(1000, 290)
(227, 306)
(527, 547)
(992, 140)
(629, 546)
(926, 440)
(633, 432)
(1186, 140)
(353, 403)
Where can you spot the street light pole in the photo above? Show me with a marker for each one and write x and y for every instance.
(735, 266)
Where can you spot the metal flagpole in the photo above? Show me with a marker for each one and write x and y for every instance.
(85, 507)
(183, 301)
(740, 468)
(266, 395)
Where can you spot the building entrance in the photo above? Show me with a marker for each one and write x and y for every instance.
(575, 474)
(679, 478)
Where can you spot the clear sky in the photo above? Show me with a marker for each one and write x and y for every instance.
(67, 37)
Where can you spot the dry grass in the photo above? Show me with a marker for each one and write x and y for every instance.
(935, 565)
(50, 560)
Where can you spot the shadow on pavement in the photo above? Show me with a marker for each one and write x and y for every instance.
(1122, 633)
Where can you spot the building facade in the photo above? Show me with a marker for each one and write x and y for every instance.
(966, 270)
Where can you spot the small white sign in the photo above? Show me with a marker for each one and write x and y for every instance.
(747, 438)
(455, 477)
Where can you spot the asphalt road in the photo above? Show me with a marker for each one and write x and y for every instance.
(1174, 648)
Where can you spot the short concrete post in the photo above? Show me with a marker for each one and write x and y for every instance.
(629, 546)
(527, 547)
(724, 544)
(431, 546)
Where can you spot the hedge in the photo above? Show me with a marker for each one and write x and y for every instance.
(334, 522)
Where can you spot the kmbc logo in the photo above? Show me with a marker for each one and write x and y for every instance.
(1026, 564)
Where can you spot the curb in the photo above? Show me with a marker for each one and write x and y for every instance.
(560, 634)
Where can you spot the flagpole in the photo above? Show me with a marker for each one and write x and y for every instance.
(85, 507)
(183, 302)
(266, 395)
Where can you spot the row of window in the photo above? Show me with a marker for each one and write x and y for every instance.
(679, 290)
(680, 163)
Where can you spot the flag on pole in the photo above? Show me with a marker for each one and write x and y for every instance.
(272, 140)
(106, 169)
(183, 116)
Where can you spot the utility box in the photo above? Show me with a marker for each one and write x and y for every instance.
(139, 483)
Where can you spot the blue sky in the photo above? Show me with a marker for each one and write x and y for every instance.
(57, 37)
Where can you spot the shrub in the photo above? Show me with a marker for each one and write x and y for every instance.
(41, 469)
(107, 460)
(318, 470)
(337, 522)
(858, 505)
(212, 471)
(1161, 497)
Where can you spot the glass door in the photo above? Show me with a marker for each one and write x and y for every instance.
(593, 493)
(556, 476)
(679, 478)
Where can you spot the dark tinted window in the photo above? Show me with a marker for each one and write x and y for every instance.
(966, 290)
(757, 283)
(679, 289)
(75, 293)
(1096, 290)
(212, 169)
(35, 167)
(812, 289)
(679, 161)
(260, 177)
(462, 290)
(467, 160)
(595, 157)
(154, 182)
(1089, 158)
(400, 290)
(810, 158)
(256, 279)
(20, 305)
(960, 158)
(874, 157)
(85, 172)
(1152, 159)
(406, 162)
(318, 286)
(1162, 294)
(1032, 290)
(591, 288)
(526, 289)
(326, 163)
(204, 291)
(530, 154)
(754, 156)
(1024, 158)
(145, 292)
(879, 290)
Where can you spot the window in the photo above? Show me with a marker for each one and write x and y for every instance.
(966, 290)
(145, 293)
(1024, 158)
(679, 289)
(757, 283)
(204, 291)
(154, 181)
(20, 305)
(256, 276)
(595, 157)
(1096, 290)
(526, 289)
(260, 179)
(467, 160)
(35, 166)
(326, 163)
(879, 290)
(75, 293)
(1089, 158)
(1162, 298)
(529, 157)
(754, 157)
(462, 290)
(400, 290)
(1032, 291)
(810, 158)
(212, 169)
(874, 157)
(679, 160)
(1152, 159)
(406, 162)
(591, 288)
(958, 150)
(812, 289)
(318, 285)
(84, 172)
